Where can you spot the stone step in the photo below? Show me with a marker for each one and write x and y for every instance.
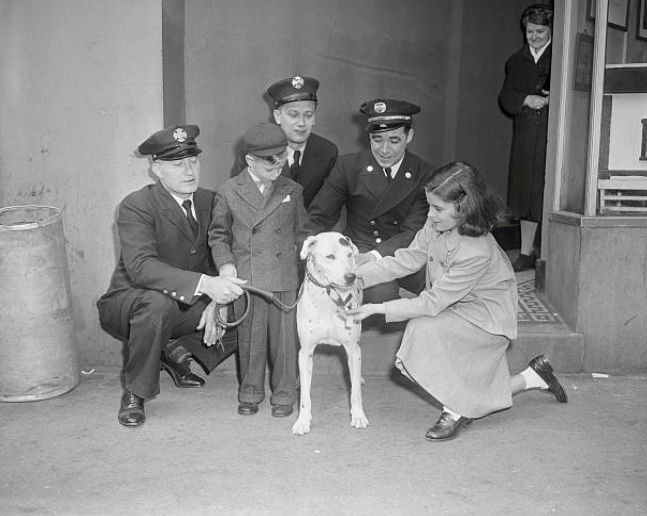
(563, 347)
(541, 330)
(379, 345)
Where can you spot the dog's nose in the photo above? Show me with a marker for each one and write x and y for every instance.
(350, 277)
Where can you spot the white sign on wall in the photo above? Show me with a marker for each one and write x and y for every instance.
(626, 131)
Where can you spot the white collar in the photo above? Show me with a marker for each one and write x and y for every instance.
(179, 200)
(291, 153)
(536, 54)
(396, 167)
(259, 184)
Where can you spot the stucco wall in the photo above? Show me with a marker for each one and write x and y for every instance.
(81, 86)
(447, 56)
(358, 50)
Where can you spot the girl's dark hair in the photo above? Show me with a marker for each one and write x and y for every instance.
(460, 183)
(539, 14)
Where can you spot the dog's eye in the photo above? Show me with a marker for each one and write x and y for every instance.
(330, 257)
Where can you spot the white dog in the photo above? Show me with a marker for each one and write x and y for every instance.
(328, 289)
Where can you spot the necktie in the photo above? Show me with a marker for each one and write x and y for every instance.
(189, 216)
(295, 169)
(387, 174)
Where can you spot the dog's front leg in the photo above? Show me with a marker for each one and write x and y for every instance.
(357, 417)
(302, 424)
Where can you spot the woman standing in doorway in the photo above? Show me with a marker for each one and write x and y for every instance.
(525, 96)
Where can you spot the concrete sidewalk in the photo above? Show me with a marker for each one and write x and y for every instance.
(195, 455)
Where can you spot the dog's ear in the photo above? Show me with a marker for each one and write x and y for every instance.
(352, 246)
(307, 244)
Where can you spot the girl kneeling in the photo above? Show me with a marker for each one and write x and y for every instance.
(459, 328)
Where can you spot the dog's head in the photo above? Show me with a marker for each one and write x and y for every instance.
(330, 258)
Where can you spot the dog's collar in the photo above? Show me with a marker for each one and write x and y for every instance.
(332, 291)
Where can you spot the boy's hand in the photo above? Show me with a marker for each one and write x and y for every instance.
(222, 289)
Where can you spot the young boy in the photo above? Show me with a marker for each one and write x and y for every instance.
(258, 224)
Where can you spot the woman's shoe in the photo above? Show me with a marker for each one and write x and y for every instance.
(447, 427)
(542, 367)
(523, 263)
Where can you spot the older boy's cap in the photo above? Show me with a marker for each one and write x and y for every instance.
(173, 142)
(265, 139)
(293, 89)
(386, 114)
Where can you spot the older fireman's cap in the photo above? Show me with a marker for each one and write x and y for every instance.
(387, 114)
(171, 143)
(293, 89)
(265, 139)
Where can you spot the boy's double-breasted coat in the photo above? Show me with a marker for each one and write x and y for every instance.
(261, 236)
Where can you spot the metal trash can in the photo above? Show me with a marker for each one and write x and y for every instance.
(38, 356)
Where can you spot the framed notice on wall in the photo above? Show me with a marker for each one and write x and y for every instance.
(583, 62)
(618, 15)
(642, 19)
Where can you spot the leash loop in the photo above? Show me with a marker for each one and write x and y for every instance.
(268, 296)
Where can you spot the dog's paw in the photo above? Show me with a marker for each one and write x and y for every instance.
(301, 427)
(359, 420)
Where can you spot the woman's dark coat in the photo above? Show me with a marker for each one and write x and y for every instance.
(524, 77)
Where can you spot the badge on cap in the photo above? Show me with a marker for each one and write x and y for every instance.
(179, 135)
(297, 82)
(379, 107)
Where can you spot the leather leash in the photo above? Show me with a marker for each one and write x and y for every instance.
(271, 298)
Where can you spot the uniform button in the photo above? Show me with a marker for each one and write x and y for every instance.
(372, 223)
(395, 222)
(378, 240)
(192, 251)
(278, 230)
(279, 255)
(376, 233)
(174, 294)
(181, 298)
(254, 230)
